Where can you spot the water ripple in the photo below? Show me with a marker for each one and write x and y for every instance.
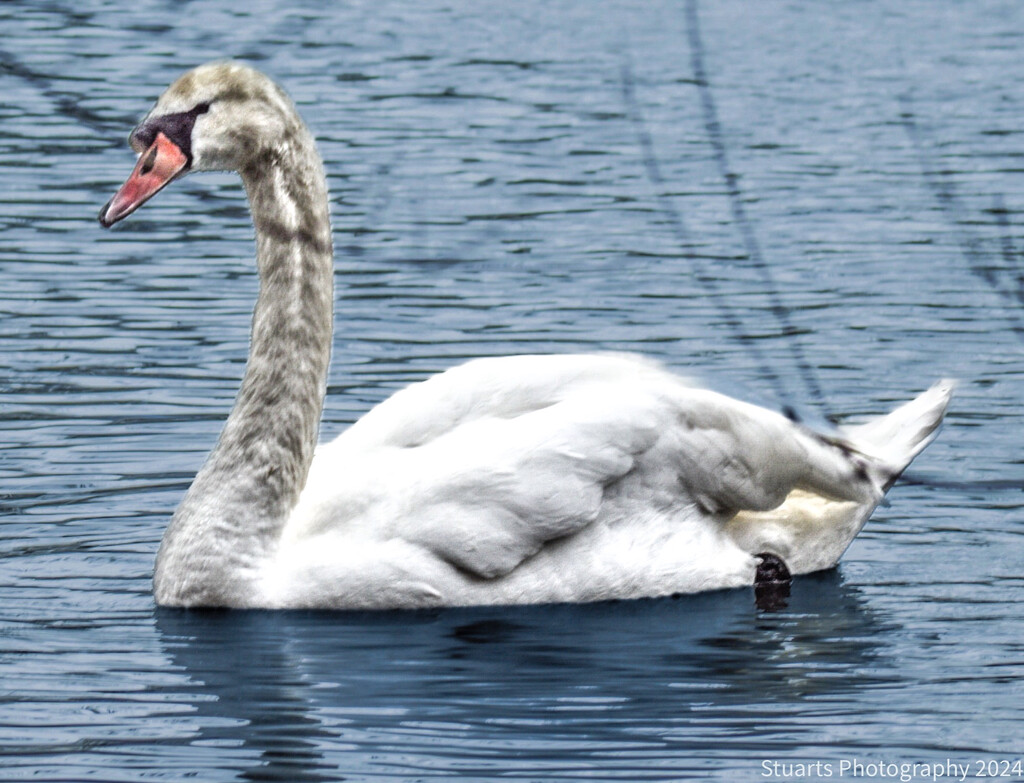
(492, 194)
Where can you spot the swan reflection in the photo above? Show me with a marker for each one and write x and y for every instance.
(615, 686)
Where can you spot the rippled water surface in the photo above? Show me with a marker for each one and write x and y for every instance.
(819, 204)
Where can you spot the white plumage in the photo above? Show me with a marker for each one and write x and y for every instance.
(568, 478)
(511, 480)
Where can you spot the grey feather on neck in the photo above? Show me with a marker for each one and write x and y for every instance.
(233, 514)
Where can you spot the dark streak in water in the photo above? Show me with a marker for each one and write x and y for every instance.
(943, 188)
(1012, 256)
(915, 479)
(739, 213)
(678, 225)
(66, 105)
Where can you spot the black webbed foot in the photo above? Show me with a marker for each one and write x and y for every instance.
(771, 582)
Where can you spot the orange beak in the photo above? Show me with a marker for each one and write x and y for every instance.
(157, 166)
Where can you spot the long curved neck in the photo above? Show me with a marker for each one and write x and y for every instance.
(239, 502)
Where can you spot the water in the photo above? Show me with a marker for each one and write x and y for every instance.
(536, 176)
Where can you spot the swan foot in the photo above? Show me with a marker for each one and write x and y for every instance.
(771, 582)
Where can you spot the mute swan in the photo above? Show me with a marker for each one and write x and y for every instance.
(525, 479)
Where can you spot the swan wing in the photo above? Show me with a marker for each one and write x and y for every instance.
(494, 491)
(483, 465)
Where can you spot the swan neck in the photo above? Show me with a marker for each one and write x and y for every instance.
(232, 516)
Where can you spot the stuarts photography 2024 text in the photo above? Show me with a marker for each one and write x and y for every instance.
(903, 771)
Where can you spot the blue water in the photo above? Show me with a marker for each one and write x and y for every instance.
(812, 204)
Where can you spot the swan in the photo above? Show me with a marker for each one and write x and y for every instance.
(525, 479)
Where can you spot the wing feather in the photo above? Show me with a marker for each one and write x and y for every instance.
(483, 465)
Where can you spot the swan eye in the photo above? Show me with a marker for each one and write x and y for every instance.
(177, 127)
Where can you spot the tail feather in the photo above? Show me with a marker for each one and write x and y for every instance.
(809, 531)
(899, 437)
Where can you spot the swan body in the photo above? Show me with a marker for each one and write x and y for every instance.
(525, 479)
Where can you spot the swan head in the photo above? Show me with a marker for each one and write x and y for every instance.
(222, 116)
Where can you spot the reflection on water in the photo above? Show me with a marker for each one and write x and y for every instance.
(618, 686)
